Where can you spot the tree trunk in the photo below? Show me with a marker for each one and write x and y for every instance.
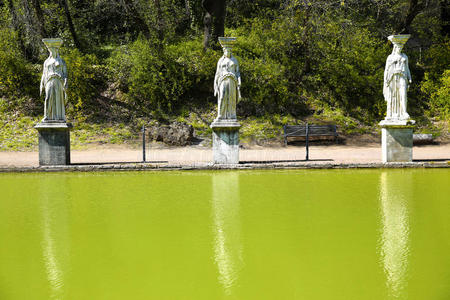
(187, 8)
(159, 20)
(306, 40)
(214, 20)
(413, 10)
(219, 20)
(133, 13)
(39, 17)
(207, 31)
(76, 41)
(445, 17)
(16, 24)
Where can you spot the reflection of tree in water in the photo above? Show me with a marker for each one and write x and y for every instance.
(394, 191)
(228, 249)
(55, 241)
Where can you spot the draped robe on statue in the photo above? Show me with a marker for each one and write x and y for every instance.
(396, 77)
(54, 77)
(226, 87)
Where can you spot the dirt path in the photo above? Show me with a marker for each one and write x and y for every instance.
(189, 155)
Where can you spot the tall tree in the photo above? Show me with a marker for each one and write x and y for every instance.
(159, 20)
(40, 17)
(414, 8)
(445, 17)
(133, 12)
(214, 20)
(68, 16)
(17, 26)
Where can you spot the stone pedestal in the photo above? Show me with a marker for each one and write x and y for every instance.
(397, 141)
(54, 143)
(225, 141)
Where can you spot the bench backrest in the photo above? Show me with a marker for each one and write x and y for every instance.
(313, 130)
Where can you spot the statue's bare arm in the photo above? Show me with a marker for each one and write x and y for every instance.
(238, 76)
(44, 75)
(216, 78)
(387, 72)
(65, 75)
(408, 72)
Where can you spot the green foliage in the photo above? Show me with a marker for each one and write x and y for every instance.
(16, 130)
(260, 130)
(97, 134)
(346, 124)
(86, 78)
(437, 59)
(17, 76)
(298, 59)
(436, 83)
(439, 95)
(266, 83)
(350, 71)
(240, 11)
(158, 78)
(281, 69)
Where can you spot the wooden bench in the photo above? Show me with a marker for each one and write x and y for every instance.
(307, 131)
(422, 139)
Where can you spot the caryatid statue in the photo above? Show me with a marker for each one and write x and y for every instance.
(54, 83)
(396, 80)
(227, 82)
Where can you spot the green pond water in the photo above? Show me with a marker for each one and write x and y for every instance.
(307, 234)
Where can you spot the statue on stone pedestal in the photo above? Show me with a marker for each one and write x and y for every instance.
(396, 80)
(227, 82)
(54, 82)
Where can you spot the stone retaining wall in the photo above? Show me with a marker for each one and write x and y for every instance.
(209, 166)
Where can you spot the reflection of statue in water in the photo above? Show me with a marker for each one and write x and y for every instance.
(227, 82)
(226, 226)
(395, 195)
(54, 82)
(396, 78)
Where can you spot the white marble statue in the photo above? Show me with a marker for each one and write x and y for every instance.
(227, 82)
(54, 82)
(396, 80)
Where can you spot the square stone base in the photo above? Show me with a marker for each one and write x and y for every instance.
(397, 143)
(225, 142)
(54, 143)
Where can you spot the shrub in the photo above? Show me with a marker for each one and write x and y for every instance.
(284, 67)
(439, 95)
(436, 83)
(85, 80)
(161, 79)
(267, 86)
(17, 77)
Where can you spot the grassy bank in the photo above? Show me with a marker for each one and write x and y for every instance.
(17, 132)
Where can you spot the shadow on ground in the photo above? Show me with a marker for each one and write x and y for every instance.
(118, 162)
(280, 161)
(431, 160)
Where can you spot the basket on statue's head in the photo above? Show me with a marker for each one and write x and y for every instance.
(399, 39)
(53, 42)
(227, 42)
